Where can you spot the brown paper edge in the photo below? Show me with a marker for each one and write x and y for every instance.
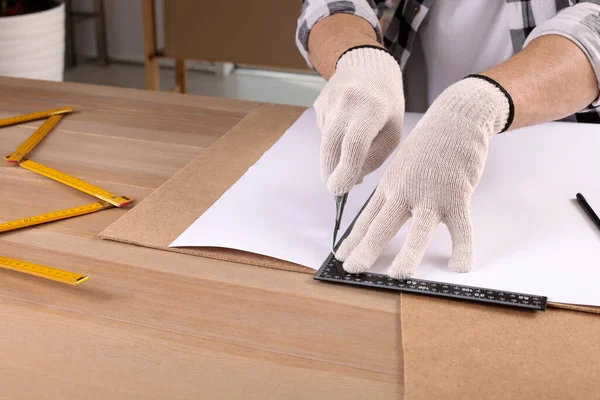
(206, 178)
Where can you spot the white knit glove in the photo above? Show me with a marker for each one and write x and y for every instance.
(360, 113)
(431, 179)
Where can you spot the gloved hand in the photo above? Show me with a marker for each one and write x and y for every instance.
(431, 179)
(360, 113)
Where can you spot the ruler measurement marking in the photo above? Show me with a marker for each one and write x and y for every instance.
(34, 116)
(332, 271)
(88, 188)
(42, 271)
(108, 200)
(34, 139)
(54, 216)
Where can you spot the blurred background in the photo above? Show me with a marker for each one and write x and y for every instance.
(236, 49)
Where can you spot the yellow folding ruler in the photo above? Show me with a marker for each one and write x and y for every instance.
(70, 278)
(117, 201)
(33, 141)
(107, 199)
(54, 216)
(35, 116)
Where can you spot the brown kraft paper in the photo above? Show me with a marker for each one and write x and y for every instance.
(162, 216)
(458, 350)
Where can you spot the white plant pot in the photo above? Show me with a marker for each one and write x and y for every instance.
(33, 45)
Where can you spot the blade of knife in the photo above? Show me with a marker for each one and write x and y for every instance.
(340, 204)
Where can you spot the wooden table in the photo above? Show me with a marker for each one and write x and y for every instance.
(150, 323)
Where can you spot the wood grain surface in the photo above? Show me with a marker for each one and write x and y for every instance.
(155, 324)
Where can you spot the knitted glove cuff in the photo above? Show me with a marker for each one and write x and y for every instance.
(511, 104)
(372, 57)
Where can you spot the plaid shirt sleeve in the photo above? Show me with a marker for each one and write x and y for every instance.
(580, 24)
(315, 10)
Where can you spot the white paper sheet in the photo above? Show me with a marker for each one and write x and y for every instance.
(530, 235)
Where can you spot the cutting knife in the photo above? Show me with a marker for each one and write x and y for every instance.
(340, 203)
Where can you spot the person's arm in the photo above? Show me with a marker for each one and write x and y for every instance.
(549, 80)
(333, 35)
(558, 71)
(346, 20)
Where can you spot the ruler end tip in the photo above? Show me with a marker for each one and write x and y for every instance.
(81, 280)
(125, 201)
(63, 110)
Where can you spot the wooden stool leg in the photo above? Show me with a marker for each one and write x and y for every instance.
(151, 62)
(100, 21)
(70, 54)
(181, 75)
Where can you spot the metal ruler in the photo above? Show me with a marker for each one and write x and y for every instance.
(107, 199)
(59, 275)
(332, 271)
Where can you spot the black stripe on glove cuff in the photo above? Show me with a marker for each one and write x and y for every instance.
(511, 104)
(364, 46)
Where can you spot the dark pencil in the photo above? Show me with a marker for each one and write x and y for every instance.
(588, 210)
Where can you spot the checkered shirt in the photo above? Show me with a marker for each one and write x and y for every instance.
(577, 20)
